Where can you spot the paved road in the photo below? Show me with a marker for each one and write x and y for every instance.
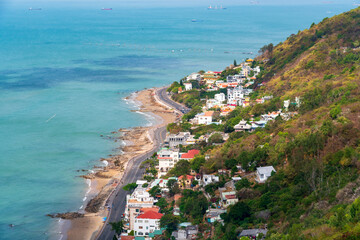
(164, 97)
(134, 172)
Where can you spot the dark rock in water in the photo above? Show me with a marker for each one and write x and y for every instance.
(68, 215)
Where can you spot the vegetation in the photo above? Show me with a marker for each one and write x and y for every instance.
(315, 193)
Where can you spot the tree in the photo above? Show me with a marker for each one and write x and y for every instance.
(182, 167)
(130, 186)
(170, 222)
(216, 138)
(243, 183)
(173, 187)
(118, 227)
(235, 63)
(237, 213)
(155, 191)
(162, 203)
(197, 162)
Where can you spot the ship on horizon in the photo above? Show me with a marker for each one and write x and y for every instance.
(106, 9)
(34, 9)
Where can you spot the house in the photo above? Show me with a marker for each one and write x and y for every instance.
(167, 160)
(238, 93)
(207, 179)
(185, 181)
(209, 75)
(228, 198)
(190, 232)
(260, 100)
(138, 200)
(193, 76)
(220, 97)
(190, 154)
(212, 103)
(174, 140)
(147, 222)
(213, 215)
(254, 233)
(188, 86)
(263, 173)
(204, 118)
(242, 126)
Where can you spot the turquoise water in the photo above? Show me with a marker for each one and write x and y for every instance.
(64, 73)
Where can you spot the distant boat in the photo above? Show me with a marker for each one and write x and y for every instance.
(106, 9)
(210, 7)
(221, 7)
(193, 20)
(33, 9)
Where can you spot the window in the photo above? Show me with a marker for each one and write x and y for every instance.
(140, 233)
(146, 221)
(137, 210)
(140, 227)
(139, 221)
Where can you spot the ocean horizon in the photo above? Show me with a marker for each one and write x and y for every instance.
(65, 71)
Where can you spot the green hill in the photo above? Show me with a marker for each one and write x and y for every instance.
(314, 193)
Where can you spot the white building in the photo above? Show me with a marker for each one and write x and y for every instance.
(174, 140)
(263, 173)
(220, 97)
(207, 179)
(139, 199)
(188, 86)
(242, 126)
(167, 159)
(204, 118)
(147, 222)
(194, 76)
(238, 93)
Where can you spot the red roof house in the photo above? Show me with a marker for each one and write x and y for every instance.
(190, 154)
(150, 215)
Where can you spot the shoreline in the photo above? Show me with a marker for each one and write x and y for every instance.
(134, 142)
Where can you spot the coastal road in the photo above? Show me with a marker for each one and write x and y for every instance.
(134, 172)
(164, 97)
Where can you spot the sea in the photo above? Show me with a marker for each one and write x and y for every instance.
(66, 69)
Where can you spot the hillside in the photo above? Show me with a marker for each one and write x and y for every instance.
(313, 194)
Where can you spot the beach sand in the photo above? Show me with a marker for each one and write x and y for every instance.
(138, 141)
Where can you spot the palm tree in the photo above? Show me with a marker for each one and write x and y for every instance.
(118, 227)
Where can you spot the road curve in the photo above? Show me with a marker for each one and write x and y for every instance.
(118, 199)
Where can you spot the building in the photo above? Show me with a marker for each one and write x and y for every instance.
(242, 126)
(213, 215)
(220, 97)
(138, 200)
(188, 86)
(263, 173)
(190, 232)
(212, 76)
(237, 93)
(185, 181)
(204, 118)
(190, 154)
(174, 140)
(207, 179)
(147, 222)
(228, 198)
(193, 76)
(254, 233)
(167, 159)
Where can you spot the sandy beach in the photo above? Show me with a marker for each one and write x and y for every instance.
(138, 141)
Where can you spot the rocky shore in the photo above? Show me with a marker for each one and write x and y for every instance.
(138, 140)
